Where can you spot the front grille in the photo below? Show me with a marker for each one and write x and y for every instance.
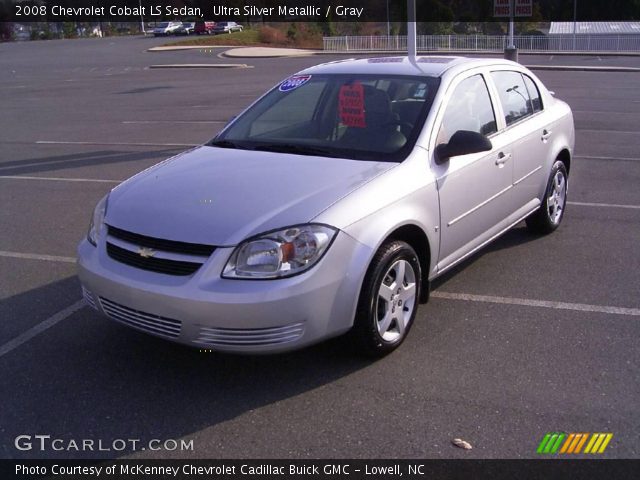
(161, 244)
(160, 265)
(209, 336)
(148, 322)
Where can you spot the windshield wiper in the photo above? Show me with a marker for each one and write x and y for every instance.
(296, 149)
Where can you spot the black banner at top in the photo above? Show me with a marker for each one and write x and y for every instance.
(25, 11)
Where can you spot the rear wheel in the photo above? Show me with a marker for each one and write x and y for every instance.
(388, 300)
(548, 217)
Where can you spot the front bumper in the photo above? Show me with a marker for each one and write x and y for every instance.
(205, 310)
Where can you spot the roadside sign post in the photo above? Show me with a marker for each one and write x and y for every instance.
(512, 9)
(141, 19)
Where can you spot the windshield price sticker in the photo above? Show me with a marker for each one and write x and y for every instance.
(351, 105)
(294, 82)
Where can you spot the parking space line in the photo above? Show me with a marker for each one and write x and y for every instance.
(598, 157)
(153, 122)
(41, 327)
(588, 130)
(35, 256)
(605, 111)
(58, 179)
(605, 205)
(578, 307)
(55, 142)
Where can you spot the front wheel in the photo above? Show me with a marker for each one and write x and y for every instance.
(548, 217)
(388, 300)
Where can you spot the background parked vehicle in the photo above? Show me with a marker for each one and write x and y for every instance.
(204, 28)
(166, 28)
(227, 27)
(187, 28)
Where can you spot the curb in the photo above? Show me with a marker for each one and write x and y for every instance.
(267, 52)
(479, 52)
(186, 47)
(203, 65)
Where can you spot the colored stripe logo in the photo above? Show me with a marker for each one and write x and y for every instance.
(559, 442)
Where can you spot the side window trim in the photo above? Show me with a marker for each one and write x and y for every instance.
(495, 103)
(535, 85)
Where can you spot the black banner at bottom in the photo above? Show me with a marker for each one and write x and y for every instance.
(320, 469)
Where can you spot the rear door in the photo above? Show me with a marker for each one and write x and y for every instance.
(527, 124)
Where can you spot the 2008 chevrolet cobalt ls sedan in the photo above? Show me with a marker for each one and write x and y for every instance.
(329, 205)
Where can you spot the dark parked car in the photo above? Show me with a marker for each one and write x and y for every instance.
(187, 28)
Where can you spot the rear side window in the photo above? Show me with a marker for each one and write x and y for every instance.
(534, 93)
(514, 97)
(469, 108)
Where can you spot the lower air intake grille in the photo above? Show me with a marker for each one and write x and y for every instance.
(148, 322)
(88, 297)
(249, 337)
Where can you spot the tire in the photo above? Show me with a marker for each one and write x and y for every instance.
(549, 216)
(386, 309)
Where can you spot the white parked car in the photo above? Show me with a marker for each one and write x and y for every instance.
(227, 27)
(329, 205)
(166, 28)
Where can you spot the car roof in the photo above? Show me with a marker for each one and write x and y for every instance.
(432, 66)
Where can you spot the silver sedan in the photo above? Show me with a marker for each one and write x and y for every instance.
(330, 204)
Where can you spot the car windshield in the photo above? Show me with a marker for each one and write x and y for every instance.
(163, 25)
(360, 117)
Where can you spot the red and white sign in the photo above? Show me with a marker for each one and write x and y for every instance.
(501, 8)
(522, 8)
(351, 105)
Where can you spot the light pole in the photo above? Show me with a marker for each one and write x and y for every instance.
(575, 10)
(388, 26)
(511, 52)
(411, 29)
(141, 19)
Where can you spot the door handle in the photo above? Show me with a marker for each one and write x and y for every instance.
(546, 134)
(502, 158)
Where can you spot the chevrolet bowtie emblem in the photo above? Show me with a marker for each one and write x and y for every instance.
(145, 252)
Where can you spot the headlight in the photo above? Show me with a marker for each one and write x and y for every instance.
(279, 254)
(97, 220)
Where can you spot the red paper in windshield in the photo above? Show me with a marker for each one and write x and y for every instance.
(351, 105)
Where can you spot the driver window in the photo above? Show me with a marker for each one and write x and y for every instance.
(469, 108)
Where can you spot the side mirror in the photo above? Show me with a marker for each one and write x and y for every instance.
(463, 142)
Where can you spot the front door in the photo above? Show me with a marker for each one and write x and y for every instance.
(474, 190)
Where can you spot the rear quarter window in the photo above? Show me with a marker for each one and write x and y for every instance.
(534, 93)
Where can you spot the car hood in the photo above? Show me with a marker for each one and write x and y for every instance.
(221, 196)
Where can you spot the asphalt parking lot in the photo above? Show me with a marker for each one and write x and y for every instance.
(532, 335)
